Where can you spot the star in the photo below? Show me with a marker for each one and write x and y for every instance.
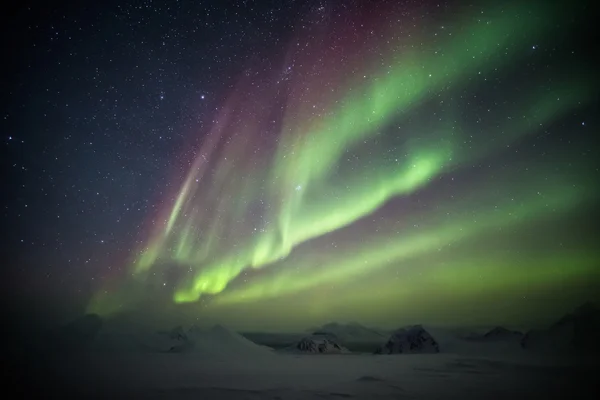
(334, 133)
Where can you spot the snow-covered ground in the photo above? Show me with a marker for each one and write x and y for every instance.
(219, 363)
(288, 376)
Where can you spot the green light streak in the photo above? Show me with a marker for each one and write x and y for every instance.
(390, 251)
(335, 209)
(308, 187)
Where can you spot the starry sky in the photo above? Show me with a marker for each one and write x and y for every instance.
(279, 164)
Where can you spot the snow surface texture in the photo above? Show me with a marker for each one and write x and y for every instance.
(220, 364)
(413, 339)
(287, 376)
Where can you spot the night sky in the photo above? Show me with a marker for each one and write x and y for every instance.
(279, 164)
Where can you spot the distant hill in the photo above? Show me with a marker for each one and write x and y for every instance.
(75, 335)
(352, 332)
(412, 339)
(577, 332)
(214, 342)
(318, 344)
(498, 333)
(220, 340)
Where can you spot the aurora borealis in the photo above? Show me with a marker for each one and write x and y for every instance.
(376, 164)
(307, 178)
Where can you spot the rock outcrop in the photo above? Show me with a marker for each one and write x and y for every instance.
(413, 339)
(319, 344)
(180, 341)
(352, 332)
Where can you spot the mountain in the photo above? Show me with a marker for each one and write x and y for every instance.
(214, 342)
(181, 343)
(173, 341)
(350, 333)
(412, 339)
(575, 333)
(77, 334)
(498, 333)
(220, 340)
(318, 344)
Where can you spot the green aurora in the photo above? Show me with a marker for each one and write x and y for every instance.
(320, 215)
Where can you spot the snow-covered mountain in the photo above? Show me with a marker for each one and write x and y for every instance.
(77, 334)
(498, 333)
(318, 344)
(214, 342)
(220, 340)
(180, 342)
(350, 333)
(172, 341)
(576, 332)
(412, 339)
